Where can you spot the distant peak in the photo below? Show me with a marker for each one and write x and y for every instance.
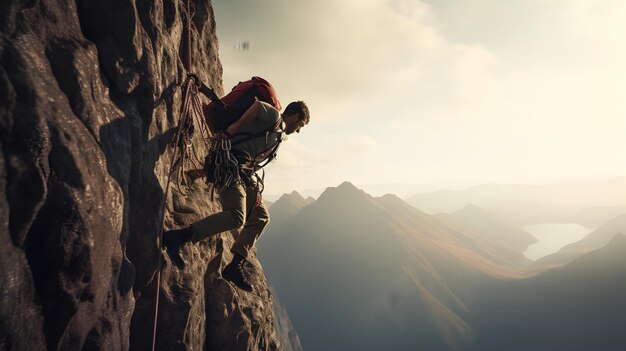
(345, 190)
(347, 185)
(296, 195)
(472, 207)
(391, 197)
(292, 199)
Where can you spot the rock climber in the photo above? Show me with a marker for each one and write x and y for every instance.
(242, 205)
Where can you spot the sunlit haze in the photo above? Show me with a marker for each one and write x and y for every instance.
(446, 92)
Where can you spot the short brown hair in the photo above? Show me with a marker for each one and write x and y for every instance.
(300, 108)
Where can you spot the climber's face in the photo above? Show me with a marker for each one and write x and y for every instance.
(293, 123)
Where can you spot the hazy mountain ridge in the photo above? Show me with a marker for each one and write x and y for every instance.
(292, 200)
(531, 204)
(383, 248)
(490, 224)
(579, 306)
(287, 206)
(358, 272)
(501, 259)
(594, 217)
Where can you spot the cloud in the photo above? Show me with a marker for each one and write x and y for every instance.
(410, 91)
(340, 53)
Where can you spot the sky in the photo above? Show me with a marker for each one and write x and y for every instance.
(440, 92)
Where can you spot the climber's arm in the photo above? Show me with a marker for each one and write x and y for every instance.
(246, 118)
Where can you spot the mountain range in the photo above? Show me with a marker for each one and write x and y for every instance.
(579, 306)
(371, 273)
(587, 203)
(490, 224)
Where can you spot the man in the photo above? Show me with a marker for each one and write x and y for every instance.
(242, 207)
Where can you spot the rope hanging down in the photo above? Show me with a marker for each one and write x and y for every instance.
(185, 154)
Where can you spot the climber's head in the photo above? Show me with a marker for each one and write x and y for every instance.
(295, 116)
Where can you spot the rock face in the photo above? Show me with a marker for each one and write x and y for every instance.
(90, 93)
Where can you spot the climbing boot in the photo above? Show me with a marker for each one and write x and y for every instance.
(235, 273)
(173, 240)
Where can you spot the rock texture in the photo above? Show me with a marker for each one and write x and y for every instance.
(90, 93)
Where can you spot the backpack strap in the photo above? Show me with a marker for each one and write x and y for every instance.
(249, 160)
(272, 155)
(273, 149)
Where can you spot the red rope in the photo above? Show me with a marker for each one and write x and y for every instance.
(181, 123)
(184, 115)
(191, 104)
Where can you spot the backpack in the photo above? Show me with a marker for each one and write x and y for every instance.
(222, 113)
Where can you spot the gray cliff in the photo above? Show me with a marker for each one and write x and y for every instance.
(90, 93)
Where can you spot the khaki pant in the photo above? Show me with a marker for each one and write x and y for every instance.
(236, 201)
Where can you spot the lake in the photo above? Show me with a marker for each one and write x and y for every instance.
(553, 236)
